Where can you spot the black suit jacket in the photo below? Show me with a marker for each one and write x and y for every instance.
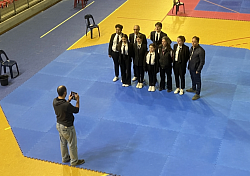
(156, 65)
(183, 56)
(130, 51)
(111, 43)
(152, 37)
(197, 60)
(132, 38)
(139, 55)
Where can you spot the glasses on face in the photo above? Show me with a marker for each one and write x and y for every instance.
(136, 29)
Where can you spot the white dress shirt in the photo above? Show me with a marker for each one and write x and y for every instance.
(159, 33)
(152, 58)
(126, 48)
(177, 52)
(115, 42)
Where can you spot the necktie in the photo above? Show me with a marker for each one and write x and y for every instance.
(135, 39)
(179, 53)
(117, 39)
(156, 38)
(150, 59)
(123, 50)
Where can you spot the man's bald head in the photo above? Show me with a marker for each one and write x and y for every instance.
(61, 90)
(136, 29)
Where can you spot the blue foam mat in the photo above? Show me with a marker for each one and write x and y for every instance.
(129, 131)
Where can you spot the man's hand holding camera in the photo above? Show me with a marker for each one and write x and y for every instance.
(74, 96)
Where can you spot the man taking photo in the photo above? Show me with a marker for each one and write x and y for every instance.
(65, 125)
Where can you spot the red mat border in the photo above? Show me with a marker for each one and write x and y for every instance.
(190, 12)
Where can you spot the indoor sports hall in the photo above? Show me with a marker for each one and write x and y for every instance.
(124, 130)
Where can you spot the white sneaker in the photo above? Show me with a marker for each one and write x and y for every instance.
(177, 91)
(149, 89)
(152, 88)
(181, 92)
(138, 85)
(126, 85)
(115, 79)
(134, 79)
(123, 85)
(141, 85)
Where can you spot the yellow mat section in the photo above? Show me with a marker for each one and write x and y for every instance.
(147, 12)
(13, 163)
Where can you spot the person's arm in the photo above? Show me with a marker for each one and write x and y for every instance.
(110, 45)
(202, 60)
(77, 100)
(151, 36)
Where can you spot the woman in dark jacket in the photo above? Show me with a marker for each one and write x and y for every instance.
(139, 49)
(151, 65)
(180, 59)
(125, 53)
(165, 54)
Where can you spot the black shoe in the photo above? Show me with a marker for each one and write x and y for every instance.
(79, 162)
(169, 90)
(160, 89)
(191, 90)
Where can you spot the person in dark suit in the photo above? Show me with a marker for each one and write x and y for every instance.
(157, 35)
(125, 52)
(151, 65)
(165, 60)
(132, 39)
(180, 59)
(113, 51)
(195, 65)
(139, 50)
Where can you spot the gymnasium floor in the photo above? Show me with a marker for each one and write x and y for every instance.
(127, 131)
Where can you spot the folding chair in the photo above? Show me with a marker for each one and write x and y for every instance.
(7, 63)
(89, 25)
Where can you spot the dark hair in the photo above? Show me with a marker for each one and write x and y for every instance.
(61, 90)
(119, 26)
(196, 38)
(182, 38)
(159, 24)
(167, 39)
(125, 36)
(153, 45)
(139, 36)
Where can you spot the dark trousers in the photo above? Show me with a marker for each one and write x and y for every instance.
(140, 73)
(126, 70)
(179, 73)
(151, 75)
(196, 81)
(135, 70)
(168, 71)
(115, 56)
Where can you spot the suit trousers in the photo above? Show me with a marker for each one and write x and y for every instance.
(135, 70)
(196, 81)
(168, 71)
(140, 73)
(126, 70)
(115, 56)
(179, 74)
(151, 75)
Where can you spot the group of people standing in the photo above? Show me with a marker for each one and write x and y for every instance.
(160, 57)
